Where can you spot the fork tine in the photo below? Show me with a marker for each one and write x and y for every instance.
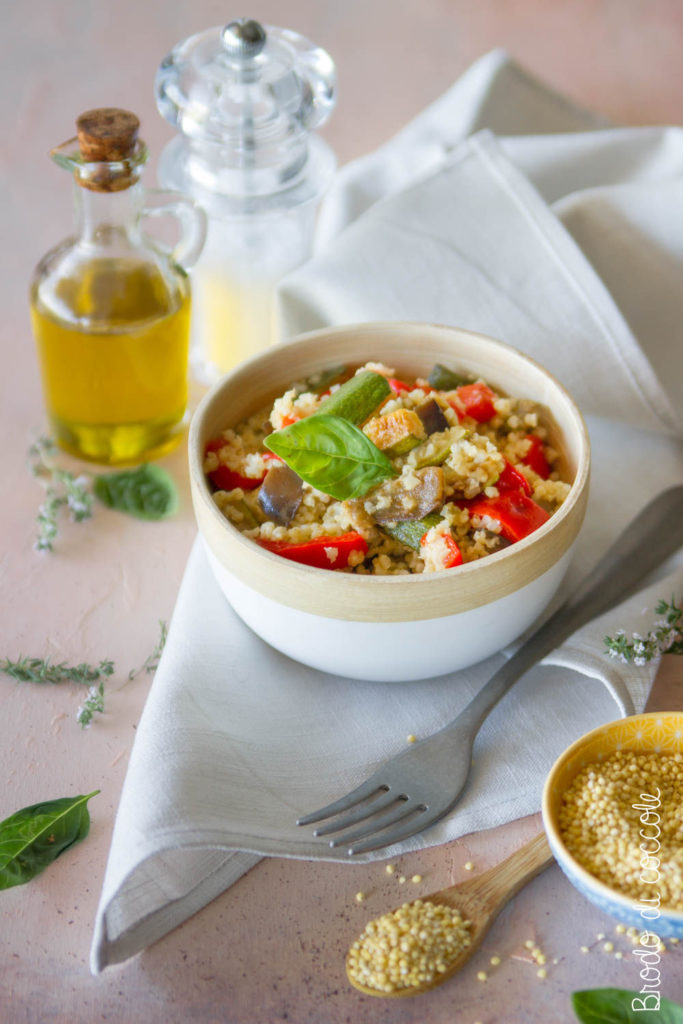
(359, 813)
(393, 816)
(416, 823)
(361, 792)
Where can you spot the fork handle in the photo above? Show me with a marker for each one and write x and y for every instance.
(655, 534)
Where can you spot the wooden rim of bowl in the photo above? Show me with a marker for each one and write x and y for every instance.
(550, 797)
(410, 348)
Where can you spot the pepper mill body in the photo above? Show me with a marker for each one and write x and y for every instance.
(245, 99)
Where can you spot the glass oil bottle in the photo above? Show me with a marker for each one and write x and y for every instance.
(110, 309)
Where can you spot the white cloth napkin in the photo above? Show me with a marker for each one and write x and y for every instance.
(506, 210)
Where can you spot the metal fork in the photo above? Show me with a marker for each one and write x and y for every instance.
(419, 786)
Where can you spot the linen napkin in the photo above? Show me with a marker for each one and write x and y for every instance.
(506, 210)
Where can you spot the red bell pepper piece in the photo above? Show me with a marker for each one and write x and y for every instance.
(397, 386)
(452, 555)
(475, 400)
(535, 457)
(287, 420)
(215, 444)
(517, 514)
(512, 480)
(226, 479)
(315, 552)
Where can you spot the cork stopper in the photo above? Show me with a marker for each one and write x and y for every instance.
(107, 134)
(110, 153)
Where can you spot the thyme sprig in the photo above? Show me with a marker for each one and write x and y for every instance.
(665, 638)
(63, 489)
(92, 704)
(42, 670)
(151, 663)
(146, 492)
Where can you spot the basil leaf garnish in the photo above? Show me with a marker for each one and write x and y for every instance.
(147, 492)
(33, 837)
(332, 455)
(614, 1006)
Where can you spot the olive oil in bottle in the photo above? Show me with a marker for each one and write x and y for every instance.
(110, 311)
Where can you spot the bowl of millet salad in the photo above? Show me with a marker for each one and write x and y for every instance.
(612, 813)
(389, 501)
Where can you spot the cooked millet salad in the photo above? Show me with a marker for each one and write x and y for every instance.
(359, 471)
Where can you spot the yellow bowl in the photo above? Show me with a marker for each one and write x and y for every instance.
(658, 732)
(390, 627)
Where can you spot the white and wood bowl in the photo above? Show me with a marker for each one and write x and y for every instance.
(393, 628)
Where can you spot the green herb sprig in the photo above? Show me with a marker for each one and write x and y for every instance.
(93, 703)
(151, 663)
(665, 638)
(63, 489)
(42, 670)
(146, 492)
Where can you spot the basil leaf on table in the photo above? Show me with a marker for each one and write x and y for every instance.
(33, 837)
(147, 492)
(332, 455)
(613, 1006)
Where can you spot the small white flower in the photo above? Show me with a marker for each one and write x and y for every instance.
(668, 640)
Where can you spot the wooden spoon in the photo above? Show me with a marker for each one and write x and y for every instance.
(479, 901)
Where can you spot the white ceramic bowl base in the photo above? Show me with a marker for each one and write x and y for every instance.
(391, 651)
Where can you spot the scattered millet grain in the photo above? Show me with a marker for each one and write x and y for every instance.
(408, 947)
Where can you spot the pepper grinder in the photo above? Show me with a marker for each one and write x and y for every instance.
(245, 99)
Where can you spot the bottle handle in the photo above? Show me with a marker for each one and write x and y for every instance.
(193, 223)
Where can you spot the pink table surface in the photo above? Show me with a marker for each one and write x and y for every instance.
(272, 948)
